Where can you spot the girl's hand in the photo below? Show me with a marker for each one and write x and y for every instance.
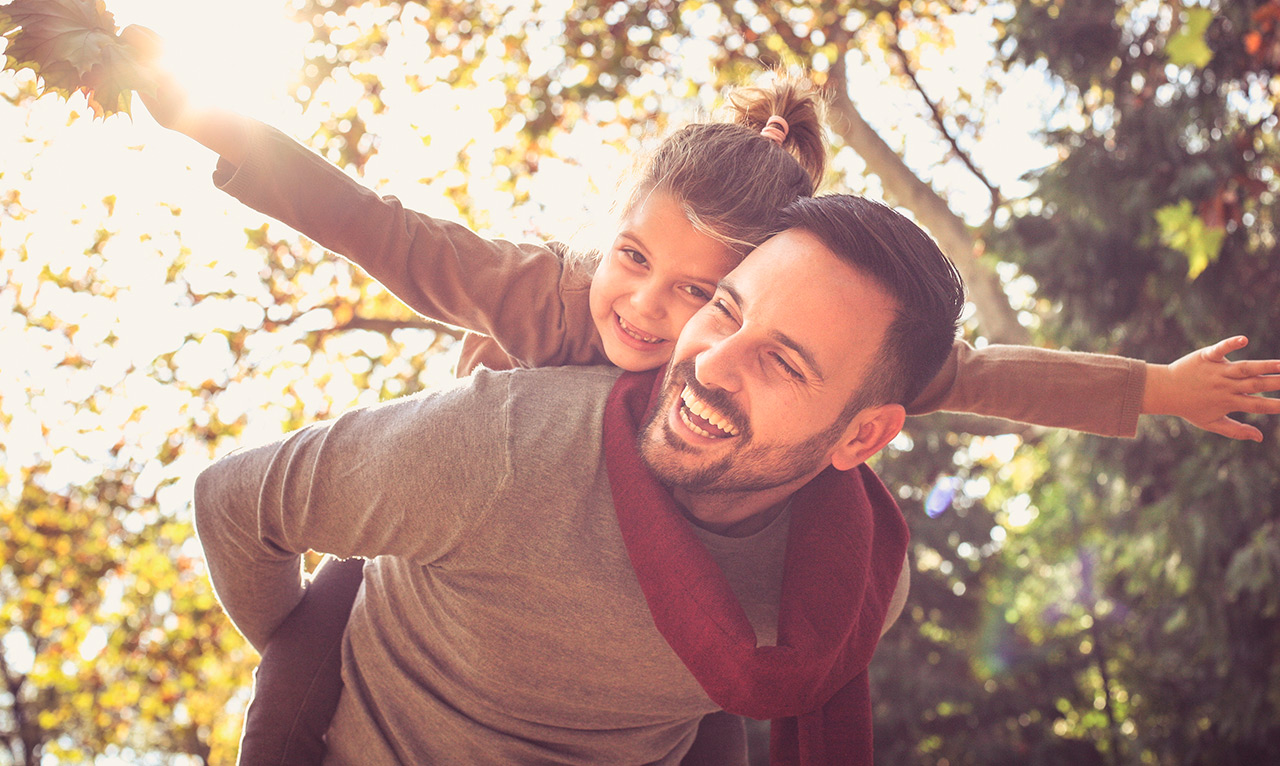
(224, 132)
(165, 99)
(1203, 388)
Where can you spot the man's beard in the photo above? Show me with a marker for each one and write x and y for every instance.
(749, 467)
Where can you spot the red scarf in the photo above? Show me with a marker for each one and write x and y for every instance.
(844, 555)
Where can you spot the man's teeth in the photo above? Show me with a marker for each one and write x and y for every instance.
(633, 332)
(703, 411)
(692, 426)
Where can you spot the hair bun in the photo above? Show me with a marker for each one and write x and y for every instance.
(798, 103)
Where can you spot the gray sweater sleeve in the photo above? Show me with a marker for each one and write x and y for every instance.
(407, 478)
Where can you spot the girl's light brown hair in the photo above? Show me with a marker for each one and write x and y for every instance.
(731, 180)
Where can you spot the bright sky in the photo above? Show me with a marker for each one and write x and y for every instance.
(239, 51)
(69, 169)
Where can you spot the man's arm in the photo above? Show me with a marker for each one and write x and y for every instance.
(407, 478)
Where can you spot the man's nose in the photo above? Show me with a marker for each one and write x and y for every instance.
(720, 365)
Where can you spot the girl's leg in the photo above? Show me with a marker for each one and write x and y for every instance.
(297, 684)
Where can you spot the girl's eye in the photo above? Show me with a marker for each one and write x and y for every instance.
(723, 309)
(786, 368)
(634, 256)
(698, 292)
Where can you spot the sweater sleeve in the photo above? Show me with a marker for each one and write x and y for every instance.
(527, 297)
(407, 478)
(1096, 393)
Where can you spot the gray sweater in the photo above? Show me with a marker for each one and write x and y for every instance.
(501, 621)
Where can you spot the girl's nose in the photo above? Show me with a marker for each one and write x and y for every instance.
(647, 300)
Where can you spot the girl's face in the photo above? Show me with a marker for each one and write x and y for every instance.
(657, 273)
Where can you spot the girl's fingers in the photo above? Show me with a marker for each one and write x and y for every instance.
(1262, 405)
(1218, 351)
(1254, 369)
(1234, 429)
(1261, 384)
(143, 40)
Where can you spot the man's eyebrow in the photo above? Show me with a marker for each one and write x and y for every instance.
(778, 335)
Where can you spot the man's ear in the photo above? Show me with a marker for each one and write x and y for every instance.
(870, 431)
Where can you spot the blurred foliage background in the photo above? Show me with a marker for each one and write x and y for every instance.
(1103, 171)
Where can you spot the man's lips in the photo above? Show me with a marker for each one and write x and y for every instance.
(634, 336)
(702, 419)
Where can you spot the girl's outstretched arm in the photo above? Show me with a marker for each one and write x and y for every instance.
(1095, 393)
(529, 301)
(1103, 394)
(1204, 388)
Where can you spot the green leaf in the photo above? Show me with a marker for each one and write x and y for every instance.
(1188, 47)
(1182, 230)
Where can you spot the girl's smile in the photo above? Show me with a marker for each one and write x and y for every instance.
(658, 272)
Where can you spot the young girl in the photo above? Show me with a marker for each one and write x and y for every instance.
(708, 194)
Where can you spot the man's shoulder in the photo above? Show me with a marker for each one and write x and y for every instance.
(553, 417)
(572, 397)
(552, 381)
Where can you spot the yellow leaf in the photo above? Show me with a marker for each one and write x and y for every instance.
(1188, 46)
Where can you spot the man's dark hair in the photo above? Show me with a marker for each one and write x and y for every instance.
(907, 264)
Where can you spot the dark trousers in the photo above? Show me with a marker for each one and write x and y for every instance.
(297, 684)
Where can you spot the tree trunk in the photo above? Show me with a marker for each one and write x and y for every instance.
(998, 320)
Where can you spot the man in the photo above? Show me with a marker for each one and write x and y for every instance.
(577, 566)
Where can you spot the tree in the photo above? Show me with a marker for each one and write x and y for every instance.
(1156, 231)
(1075, 600)
(112, 400)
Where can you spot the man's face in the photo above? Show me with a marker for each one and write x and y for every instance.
(761, 375)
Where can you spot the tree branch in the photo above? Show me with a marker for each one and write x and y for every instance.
(26, 731)
(908, 69)
(387, 326)
(998, 319)
(376, 324)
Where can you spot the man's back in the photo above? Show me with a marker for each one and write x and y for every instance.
(510, 627)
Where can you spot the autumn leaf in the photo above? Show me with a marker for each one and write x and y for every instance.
(1182, 230)
(1253, 42)
(72, 46)
(1188, 47)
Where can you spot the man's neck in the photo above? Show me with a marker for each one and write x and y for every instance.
(734, 514)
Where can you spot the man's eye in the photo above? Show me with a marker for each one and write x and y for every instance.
(698, 293)
(786, 368)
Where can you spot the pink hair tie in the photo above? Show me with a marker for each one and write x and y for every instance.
(775, 129)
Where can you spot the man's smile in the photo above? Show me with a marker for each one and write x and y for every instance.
(700, 418)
